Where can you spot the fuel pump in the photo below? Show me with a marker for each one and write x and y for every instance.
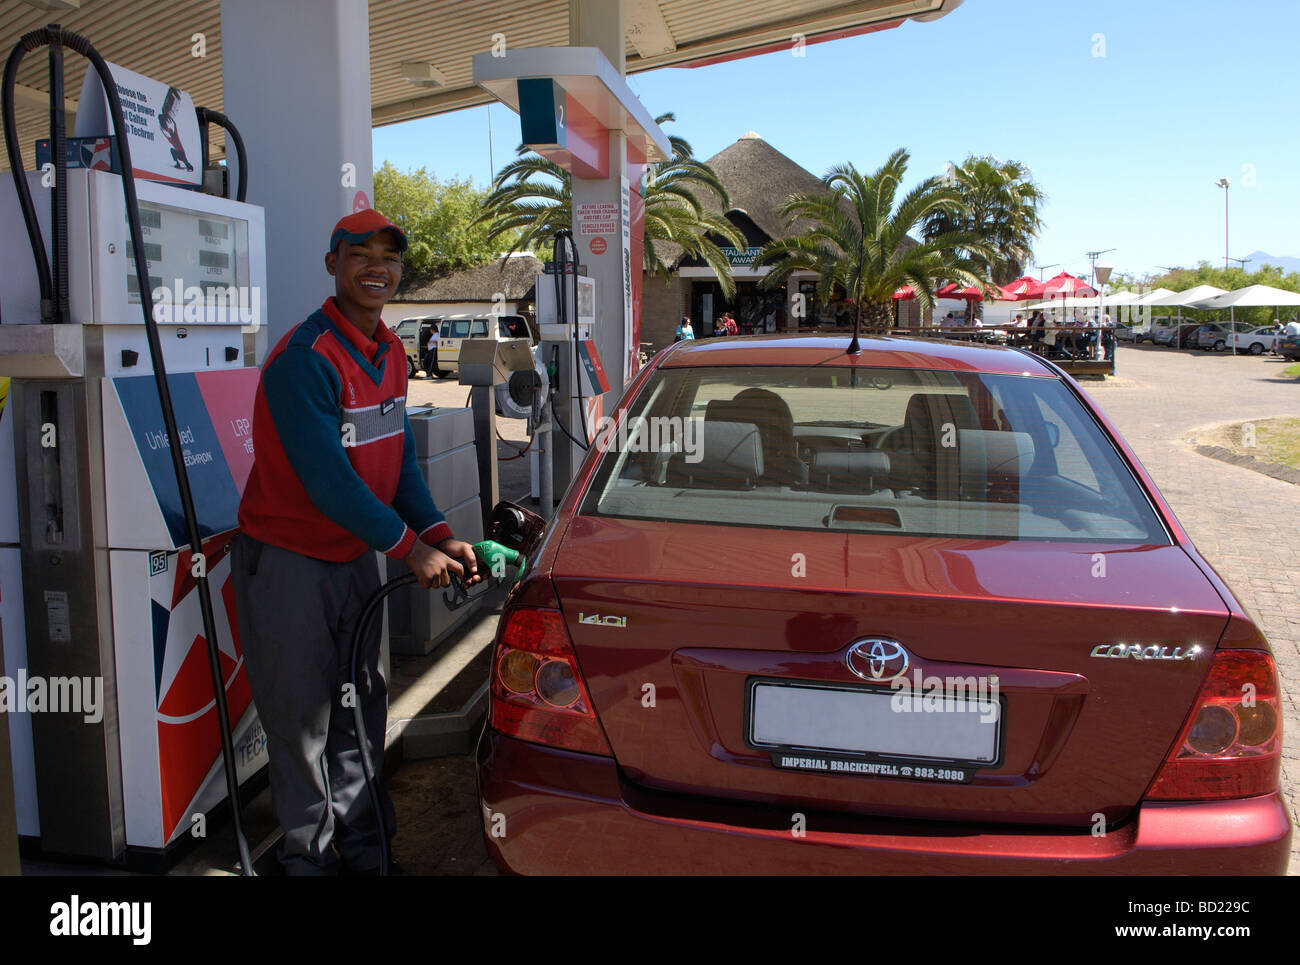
(131, 446)
(566, 316)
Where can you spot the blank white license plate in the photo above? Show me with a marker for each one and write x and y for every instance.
(872, 722)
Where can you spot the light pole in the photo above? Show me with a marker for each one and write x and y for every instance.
(1100, 275)
(1232, 328)
(1043, 268)
(1225, 183)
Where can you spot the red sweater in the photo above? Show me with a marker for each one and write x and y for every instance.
(334, 471)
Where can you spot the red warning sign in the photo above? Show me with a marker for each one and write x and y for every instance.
(595, 407)
(597, 245)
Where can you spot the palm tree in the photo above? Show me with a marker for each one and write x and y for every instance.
(1001, 207)
(532, 194)
(857, 241)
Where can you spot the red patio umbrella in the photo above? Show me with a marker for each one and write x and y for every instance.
(1022, 289)
(905, 293)
(1065, 285)
(972, 293)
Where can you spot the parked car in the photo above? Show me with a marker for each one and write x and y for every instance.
(1137, 334)
(1164, 328)
(756, 575)
(1256, 341)
(1215, 335)
(1186, 336)
(454, 329)
(1288, 346)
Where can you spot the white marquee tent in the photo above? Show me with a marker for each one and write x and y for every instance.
(1152, 297)
(1187, 299)
(1252, 296)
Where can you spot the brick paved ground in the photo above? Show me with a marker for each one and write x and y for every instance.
(1245, 523)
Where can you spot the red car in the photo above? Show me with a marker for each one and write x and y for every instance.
(915, 610)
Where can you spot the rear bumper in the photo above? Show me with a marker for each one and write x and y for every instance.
(547, 811)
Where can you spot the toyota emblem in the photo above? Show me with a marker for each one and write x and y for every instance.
(877, 659)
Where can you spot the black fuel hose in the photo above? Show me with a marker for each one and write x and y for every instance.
(29, 42)
(206, 115)
(368, 612)
(55, 35)
(572, 257)
(358, 718)
(560, 256)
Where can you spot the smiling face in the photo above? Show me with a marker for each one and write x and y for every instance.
(365, 273)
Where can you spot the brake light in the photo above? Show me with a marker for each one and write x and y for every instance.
(1232, 745)
(538, 693)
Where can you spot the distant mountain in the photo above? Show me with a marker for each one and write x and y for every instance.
(1260, 258)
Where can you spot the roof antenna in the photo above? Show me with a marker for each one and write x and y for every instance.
(854, 347)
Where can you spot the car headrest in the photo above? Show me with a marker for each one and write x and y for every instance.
(928, 411)
(989, 456)
(772, 411)
(730, 453)
(726, 410)
(850, 466)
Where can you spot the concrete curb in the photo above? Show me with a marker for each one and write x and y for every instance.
(1274, 469)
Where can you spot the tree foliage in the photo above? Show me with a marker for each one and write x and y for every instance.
(857, 241)
(438, 217)
(530, 197)
(1001, 203)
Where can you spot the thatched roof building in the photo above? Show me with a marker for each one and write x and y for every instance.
(758, 179)
(509, 279)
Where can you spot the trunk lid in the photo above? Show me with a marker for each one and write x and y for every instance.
(671, 648)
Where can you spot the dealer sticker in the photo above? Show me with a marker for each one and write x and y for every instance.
(946, 773)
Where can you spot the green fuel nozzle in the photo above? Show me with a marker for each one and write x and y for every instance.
(494, 557)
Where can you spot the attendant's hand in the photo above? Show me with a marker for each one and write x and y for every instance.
(459, 549)
(432, 566)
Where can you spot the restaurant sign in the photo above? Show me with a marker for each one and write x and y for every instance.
(741, 256)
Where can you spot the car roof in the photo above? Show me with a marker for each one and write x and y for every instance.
(878, 351)
(477, 316)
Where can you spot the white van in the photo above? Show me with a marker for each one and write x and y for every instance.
(415, 334)
(443, 357)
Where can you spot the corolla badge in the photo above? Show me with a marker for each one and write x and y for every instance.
(1138, 651)
(877, 659)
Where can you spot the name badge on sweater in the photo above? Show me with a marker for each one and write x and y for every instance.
(387, 406)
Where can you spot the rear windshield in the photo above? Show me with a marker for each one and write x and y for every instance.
(512, 326)
(870, 450)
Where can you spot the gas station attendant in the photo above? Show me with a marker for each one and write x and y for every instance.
(334, 479)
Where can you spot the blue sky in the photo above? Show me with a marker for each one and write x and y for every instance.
(1126, 132)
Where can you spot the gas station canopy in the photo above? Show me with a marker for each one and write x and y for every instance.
(421, 51)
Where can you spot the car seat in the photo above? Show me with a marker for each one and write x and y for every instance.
(918, 458)
(770, 413)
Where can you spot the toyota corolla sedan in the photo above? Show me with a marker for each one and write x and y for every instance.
(912, 610)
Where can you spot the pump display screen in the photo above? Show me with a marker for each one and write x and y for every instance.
(586, 301)
(191, 254)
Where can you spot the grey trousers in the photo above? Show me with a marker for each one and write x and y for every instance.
(296, 619)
